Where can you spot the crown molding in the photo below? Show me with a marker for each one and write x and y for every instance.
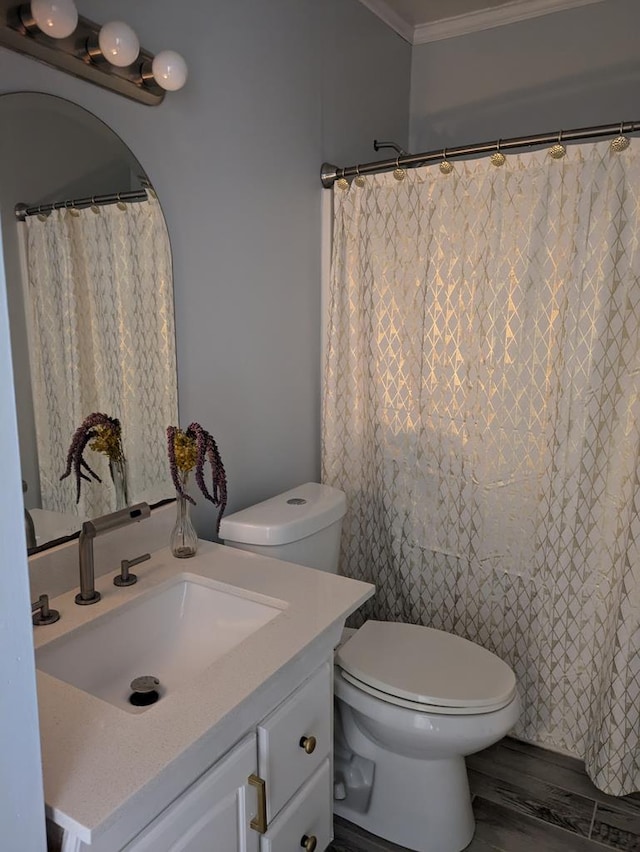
(472, 22)
(485, 19)
(391, 18)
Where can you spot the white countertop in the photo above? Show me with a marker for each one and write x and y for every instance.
(105, 767)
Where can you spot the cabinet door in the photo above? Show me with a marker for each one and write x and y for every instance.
(213, 815)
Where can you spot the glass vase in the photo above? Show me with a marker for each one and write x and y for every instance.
(118, 471)
(184, 539)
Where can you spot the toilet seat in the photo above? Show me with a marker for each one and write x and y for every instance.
(424, 669)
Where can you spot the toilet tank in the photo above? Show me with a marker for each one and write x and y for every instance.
(302, 525)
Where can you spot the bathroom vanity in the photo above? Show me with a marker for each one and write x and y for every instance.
(236, 753)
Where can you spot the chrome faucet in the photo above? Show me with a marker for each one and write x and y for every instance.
(91, 529)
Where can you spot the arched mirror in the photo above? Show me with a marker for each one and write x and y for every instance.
(90, 295)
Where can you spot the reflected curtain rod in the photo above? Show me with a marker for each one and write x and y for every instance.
(330, 173)
(133, 195)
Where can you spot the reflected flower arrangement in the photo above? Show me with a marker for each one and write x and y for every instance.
(103, 434)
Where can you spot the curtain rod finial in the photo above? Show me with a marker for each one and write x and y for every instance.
(328, 174)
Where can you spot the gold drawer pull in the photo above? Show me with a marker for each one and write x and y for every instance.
(259, 822)
(309, 745)
(309, 843)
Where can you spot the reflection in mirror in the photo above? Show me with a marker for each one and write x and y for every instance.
(90, 294)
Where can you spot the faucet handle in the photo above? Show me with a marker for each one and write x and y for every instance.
(125, 578)
(41, 612)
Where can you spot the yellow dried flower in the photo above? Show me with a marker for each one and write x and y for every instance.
(107, 441)
(186, 451)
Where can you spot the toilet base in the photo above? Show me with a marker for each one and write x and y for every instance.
(424, 805)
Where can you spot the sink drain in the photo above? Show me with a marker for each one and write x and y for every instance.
(144, 691)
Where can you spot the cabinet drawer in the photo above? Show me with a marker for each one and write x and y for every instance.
(284, 763)
(308, 814)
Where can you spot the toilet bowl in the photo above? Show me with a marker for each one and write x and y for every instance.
(414, 701)
(410, 701)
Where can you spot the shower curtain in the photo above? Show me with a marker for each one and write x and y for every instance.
(481, 412)
(99, 305)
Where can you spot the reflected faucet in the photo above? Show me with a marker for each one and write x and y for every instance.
(91, 529)
(29, 526)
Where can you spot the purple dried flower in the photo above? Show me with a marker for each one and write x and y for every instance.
(195, 447)
(106, 431)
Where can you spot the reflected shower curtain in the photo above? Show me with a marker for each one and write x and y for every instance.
(99, 300)
(481, 412)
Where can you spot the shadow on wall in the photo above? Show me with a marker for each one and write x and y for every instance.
(572, 102)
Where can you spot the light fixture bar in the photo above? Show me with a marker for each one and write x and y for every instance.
(70, 55)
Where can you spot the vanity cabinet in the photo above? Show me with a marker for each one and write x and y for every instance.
(239, 759)
(290, 751)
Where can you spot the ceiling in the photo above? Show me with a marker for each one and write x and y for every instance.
(420, 21)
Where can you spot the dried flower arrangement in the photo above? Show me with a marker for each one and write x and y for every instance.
(103, 434)
(192, 448)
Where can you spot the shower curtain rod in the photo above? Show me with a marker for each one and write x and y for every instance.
(330, 173)
(22, 211)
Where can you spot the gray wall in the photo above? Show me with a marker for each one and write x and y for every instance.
(274, 89)
(571, 69)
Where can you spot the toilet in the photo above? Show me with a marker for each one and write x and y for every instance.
(411, 701)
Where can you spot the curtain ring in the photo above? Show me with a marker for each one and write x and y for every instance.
(498, 158)
(120, 204)
(557, 151)
(445, 166)
(621, 142)
(359, 181)
(398, 173)
(94, 206)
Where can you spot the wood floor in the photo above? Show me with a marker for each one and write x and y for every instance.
(527, 799)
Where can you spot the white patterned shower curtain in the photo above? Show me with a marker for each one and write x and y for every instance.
(99, 304)
(482, 414)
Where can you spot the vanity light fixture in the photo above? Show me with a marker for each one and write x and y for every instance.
(118, 44)
(169, 70)
(55, 18)
(109, 56)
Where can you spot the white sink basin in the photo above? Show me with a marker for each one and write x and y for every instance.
(173, 633)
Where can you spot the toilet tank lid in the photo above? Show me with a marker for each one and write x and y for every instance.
(288, 517)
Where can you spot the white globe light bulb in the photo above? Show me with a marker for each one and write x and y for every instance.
(169, 70)
(56, 18)
(118, 43)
